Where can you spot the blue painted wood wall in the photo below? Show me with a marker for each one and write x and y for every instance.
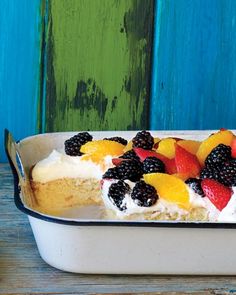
(20, 45)
(193, 67)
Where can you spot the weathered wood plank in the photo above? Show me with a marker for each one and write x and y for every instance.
(20, 39)
(98, 68)
(194, 78)
(22, 271)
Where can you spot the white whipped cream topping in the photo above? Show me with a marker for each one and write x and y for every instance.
(228, 214)
(58, 165)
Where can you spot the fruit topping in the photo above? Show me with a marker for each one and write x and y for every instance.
(128, 147)
(118, 139)
(143, 139)
(143, 194)
(166, 147)
(153, 164)
(223, 136)
(73, 144)
(169, 163)
(218, 156)
(169, 188)
(143, 154)
(111, 173)
(191, 146)
(217, 193)
(131, 170)
(182, 176)
(195, 185)
(130, 155)
(228, 173)
(127, 169)
(117, 161)
(156, 142)
(186, 162)
(117, 193)
(220, 166)
(96, 150)
(233, 147)
(212, 173)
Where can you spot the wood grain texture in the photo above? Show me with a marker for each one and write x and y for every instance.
(98, 64)
(194, 77)
(22, 271)
(20, 39)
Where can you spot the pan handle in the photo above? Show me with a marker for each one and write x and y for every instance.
(14, 157)
(21, 179)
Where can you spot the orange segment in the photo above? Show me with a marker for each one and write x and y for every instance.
(166, 147)
(169, 188)
(223, 136)
(97, 149)
(191, 146)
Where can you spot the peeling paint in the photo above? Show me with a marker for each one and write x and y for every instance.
(99, 71)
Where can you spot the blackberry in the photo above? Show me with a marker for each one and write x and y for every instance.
(130, 155)
(143, 194)
(211, 173)
(131, 170)
(143, 139)
(195, 185)
(111, 173)
(116, 194)
(152, 165)
(218, 156)
(228, 173)
(73, 144)
(117, 139)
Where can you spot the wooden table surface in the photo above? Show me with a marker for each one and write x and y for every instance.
(22, 271)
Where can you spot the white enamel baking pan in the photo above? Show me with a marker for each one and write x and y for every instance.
(120, 247)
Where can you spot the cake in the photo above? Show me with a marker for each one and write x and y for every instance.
(145, 178)
(68, 178)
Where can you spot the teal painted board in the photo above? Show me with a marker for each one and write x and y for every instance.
(194, 65)
(20, 47)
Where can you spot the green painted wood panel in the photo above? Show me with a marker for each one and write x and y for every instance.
(98, 64)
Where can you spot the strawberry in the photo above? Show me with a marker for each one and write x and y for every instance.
(216, 192)
(143, 154)
(177, 138)
(117, 161)
(101, 183)
(233, 147)
(170, 166)
(186, 162)
(156, 145)
(169, 163)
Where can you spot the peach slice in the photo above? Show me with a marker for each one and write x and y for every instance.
(166, 147)
(156, 142)
(169, 188)
(191, 146)
(182, 176)
(222, 136)
(97, 149)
